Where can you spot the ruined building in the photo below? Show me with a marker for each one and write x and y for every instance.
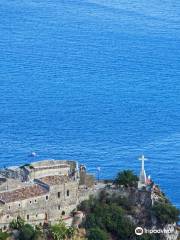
(42, 191)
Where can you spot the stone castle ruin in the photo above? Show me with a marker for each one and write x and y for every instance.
(42, 192)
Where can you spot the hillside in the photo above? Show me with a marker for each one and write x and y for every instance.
(121, 207)
(118, 211)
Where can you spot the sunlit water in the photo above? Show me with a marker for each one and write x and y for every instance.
(95, 81)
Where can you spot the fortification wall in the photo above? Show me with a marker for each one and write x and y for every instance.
(48, 172)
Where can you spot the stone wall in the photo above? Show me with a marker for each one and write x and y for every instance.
(31, 210)
(39, 173)
(58, 202)
(63, 199)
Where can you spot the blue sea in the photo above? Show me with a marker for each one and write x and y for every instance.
(97, 81)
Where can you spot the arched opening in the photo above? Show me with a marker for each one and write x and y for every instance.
(63, 213)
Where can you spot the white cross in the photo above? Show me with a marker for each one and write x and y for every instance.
(142, 158)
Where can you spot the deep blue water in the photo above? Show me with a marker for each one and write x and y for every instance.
(97, 81)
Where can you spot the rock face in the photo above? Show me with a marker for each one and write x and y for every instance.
(140, 197)
(64, 188)
(141, 213)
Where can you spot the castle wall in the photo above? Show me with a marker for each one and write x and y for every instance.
(48, 172)
(63, 199)
(60, 197)
(57, 203)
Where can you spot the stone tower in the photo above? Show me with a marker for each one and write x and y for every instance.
(82, 173)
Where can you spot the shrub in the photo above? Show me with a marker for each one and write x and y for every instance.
(166, 213)
(103, 196)
(109, 218)
(90, 221)
(149, 237)
(3, 235)
(59, 231)
(85, 206)
(70, 232)
(17, 224)
(126, 178)
(27, 232)
(97, 234)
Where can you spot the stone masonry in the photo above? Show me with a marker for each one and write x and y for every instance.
(42, 192)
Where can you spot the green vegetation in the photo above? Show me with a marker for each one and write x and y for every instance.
(108, 216)
(166, 213)
(97, 233)
(149, 237)
(27, 232)
(126, 178)
(17, 224)
(3, 235)
(124, 202)
(59, 231)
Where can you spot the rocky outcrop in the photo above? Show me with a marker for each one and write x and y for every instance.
(141, 215)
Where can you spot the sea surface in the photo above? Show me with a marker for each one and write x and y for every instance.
(97, 81)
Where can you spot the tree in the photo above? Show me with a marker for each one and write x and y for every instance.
(97, 234)
(85, 206)
(90, 221)
(126, 178)
(27, 232)
(166, 213)
(103, 196)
